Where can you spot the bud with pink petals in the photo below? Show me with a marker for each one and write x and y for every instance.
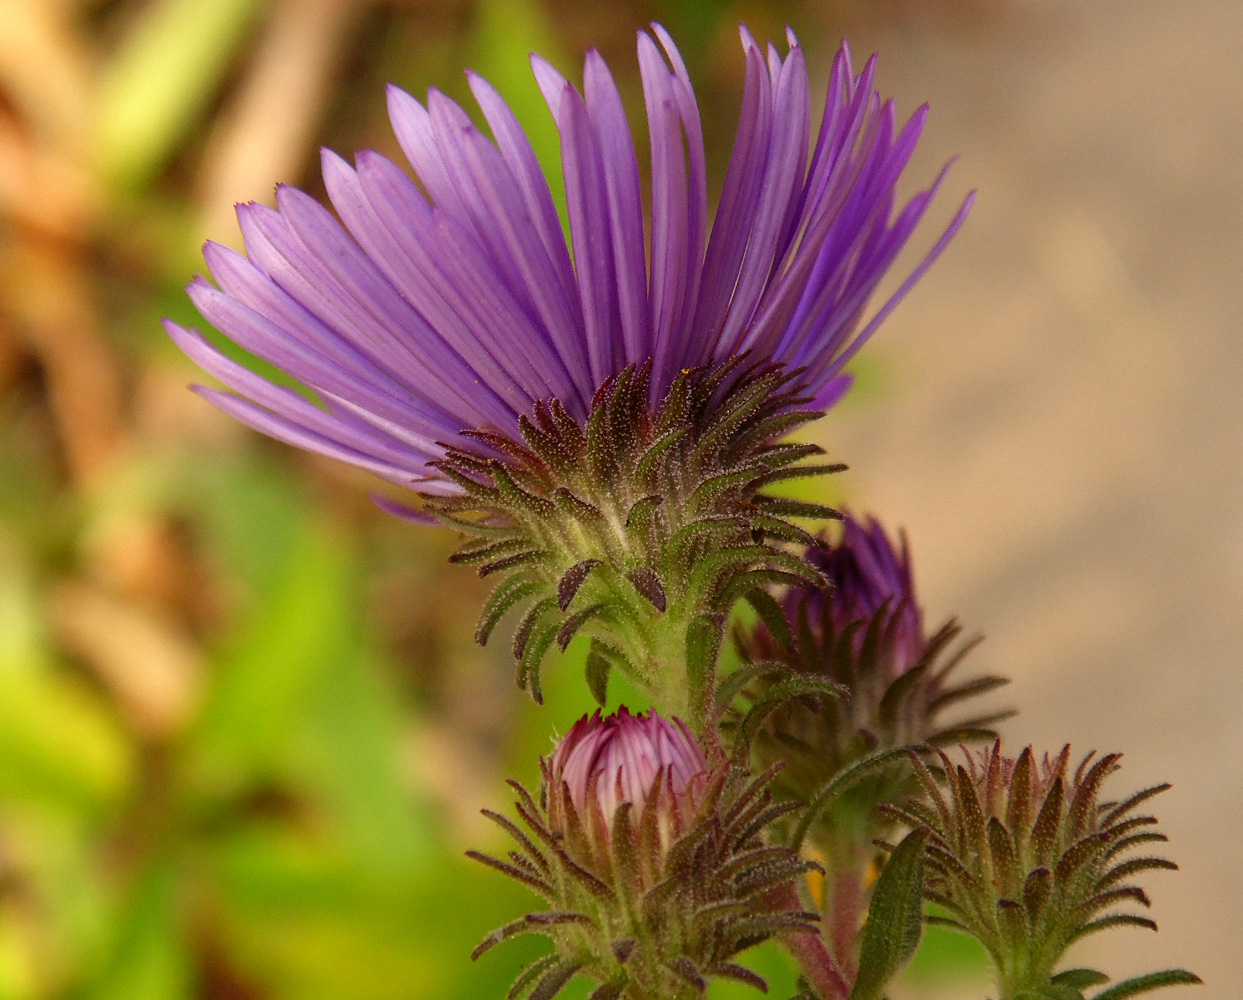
(641, 761)
(651, 861)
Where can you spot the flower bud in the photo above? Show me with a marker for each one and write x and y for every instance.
(650, 860)
(1026, 858)
(865, 633)
(862, 637)
(641, 761)
(869, 578)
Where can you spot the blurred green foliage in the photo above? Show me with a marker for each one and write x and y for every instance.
(160, 79)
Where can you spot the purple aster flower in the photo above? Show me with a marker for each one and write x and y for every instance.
(602, 430)
(455, 303)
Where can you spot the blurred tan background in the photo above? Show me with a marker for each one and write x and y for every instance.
(242, 749)
(1062, 423)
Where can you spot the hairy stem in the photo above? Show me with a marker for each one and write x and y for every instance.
(813, 956)
(844, 909)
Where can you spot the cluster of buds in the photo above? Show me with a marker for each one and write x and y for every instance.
(863, 632)
(651, 861)
(1025, 857)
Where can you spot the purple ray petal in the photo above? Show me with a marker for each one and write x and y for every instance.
(621, 186)
(454, 301)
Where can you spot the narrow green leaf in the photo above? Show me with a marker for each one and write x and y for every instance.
(779, 694)
(598, 667)
(148, 956)
(1080, 978)
(513, 590)
(533, 658)
(895, 919)
(59, 744)
(160, 80)
(781, 529)
(527, 977)
(1145, 984)
(703, 646)
(766, 606)
(732, 686)
(569, 628)
(503, 32)
(651, 459)
(1050, 991)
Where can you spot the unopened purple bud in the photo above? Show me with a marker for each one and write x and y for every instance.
(864, 632)
(606, 761)
(869, 574)
(653, 862)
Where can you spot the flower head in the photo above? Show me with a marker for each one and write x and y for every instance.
(643, 761)
(601, 417)
(864, 631)
(651, 861)
(1026, 856)
(456, 303)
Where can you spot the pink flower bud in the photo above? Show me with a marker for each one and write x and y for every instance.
(644, 760)
(654, 864)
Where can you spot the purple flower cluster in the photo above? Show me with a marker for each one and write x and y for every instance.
(456, 303)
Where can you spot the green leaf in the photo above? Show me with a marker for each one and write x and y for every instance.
(770, 613)
(598, 667)
(799, 686)
(300, 630)
(148, 957)
(947, 957)
(504, 31)
(296, 914)
(703, 645)
(1152, 981)
(1050, 991)
(732, 685)
(895, 919)
(59, 744)
(1079, 978)
(351, 742)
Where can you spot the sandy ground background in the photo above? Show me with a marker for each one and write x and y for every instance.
(1064, 435)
